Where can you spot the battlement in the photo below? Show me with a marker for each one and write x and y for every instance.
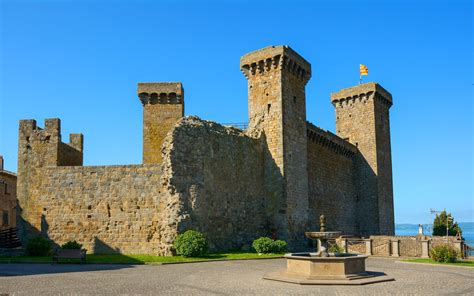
(329, 140)
(362, 92)
(47, 145)
(51, 125)
(160, 93)
(280, 57)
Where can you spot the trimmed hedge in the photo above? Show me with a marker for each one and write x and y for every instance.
(38, 246)
(265, 245)
(191, 244)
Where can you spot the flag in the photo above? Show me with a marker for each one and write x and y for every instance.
(363, 70)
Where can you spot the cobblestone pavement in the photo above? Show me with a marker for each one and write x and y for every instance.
(220, 278)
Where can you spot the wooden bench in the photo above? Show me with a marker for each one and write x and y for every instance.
(69, 254)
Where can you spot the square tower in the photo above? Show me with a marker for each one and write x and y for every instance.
(163, 106)
(277, 77)
(362, 118)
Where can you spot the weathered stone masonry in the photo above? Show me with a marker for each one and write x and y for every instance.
(275, 178)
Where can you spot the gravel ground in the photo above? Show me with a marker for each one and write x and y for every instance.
(221, 278)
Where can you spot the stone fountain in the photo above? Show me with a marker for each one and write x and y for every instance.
(325, 268)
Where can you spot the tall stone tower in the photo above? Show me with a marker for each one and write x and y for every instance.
(163, 106)
(277, 77)
(362, 118)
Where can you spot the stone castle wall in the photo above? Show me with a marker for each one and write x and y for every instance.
(106, 208)
(332, 191)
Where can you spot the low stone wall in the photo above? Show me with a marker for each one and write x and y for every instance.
(405, 246)
(380, 246)
(356, 246)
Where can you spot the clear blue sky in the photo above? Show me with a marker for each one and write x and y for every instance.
(81, 61)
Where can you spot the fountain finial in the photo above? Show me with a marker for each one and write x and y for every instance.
(322, 223)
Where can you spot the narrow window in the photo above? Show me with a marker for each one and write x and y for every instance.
(6, 188)
(5, 218)
(294, 100)
(268, 108)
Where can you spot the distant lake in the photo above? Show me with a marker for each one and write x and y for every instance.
(412, 229)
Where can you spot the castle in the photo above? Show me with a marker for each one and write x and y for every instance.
(274, 178)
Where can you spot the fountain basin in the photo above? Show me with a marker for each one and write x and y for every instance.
(341, 269)
(323, 234)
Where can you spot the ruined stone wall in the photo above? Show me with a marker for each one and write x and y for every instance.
(217, 176)
(332, 190)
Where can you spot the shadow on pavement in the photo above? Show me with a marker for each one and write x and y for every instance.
(22, 269)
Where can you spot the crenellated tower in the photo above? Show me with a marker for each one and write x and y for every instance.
(39, 148)
(362, 118)
(163, 106)
(277, 77)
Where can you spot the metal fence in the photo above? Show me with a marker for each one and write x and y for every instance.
(239, 125)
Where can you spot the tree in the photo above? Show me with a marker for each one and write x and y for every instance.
(439, 225)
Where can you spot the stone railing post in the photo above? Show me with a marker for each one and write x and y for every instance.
(344, 245)
(395, 248)
(458, 247)
(368, 246)
(425, 248)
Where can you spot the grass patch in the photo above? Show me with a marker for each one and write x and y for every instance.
(468, 263)
(141, 259)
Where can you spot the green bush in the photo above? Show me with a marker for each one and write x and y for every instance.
(72, 245)
(444, 254)
(38, 246)
(191, 244)
(336, 249)
(279, 246)
(265, 245)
